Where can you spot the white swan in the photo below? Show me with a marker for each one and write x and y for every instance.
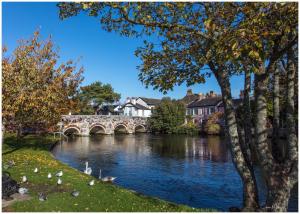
(49, 175)
(107, 178)
(88, 170)
(92, 182)
(59, 174)
(59, 181)
(24, 179)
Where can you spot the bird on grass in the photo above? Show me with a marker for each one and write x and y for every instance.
(75, 193)
(11, 163)
(59, 181)
(92, 182)
(24, 179)
(42, 197)
(107, 178)
(23, 190)
(35, 170)
(49, 175)
(59, 173)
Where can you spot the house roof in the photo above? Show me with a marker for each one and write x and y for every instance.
(151, 101)
(138, 106)
(210, 101)
(189, 98)
(109, 108)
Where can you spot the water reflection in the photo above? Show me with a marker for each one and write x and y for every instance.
(188, 170)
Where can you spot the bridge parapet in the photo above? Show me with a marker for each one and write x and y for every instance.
(106, 124)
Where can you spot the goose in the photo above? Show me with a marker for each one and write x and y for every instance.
(35, 170)
(88, 170)
(23, 190)
(92, 182)
(59, 173)
(49, 175)
(42, 197)
(75, 193)
(59, 181)
(107, 178)
(24, 179)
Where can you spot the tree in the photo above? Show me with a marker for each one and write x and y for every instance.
(35, 89)
(221, 39)
(167, 116)
(95, 94)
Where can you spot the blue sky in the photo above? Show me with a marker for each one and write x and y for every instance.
(106, 57)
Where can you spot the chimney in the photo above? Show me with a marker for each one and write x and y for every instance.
(189, 92)
(201, 96)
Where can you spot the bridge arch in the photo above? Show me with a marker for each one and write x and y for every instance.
(120, 128)
(97, 129)
(140, 128)
(69, 130)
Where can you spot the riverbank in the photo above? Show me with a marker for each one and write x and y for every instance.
(34, 151)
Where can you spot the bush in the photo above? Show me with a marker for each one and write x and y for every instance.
(189, 129)
(212, 125)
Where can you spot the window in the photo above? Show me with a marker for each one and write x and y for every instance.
(212, 110)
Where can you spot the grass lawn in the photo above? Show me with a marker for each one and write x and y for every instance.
(33, 151)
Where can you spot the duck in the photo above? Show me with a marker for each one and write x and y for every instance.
(75, 193)
(35, 170)
(92, 182)
(24, 179)
(107, 178)
(42, 197)
(23, 190)
(59, 181)
(59, 173)
(49, 175)
(88, 170)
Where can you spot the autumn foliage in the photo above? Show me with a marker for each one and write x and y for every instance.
(35, 89)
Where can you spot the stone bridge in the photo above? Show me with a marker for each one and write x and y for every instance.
(86, 125)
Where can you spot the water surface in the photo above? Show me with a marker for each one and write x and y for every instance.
(194, 171)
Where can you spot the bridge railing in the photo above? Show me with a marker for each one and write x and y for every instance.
(102, 116)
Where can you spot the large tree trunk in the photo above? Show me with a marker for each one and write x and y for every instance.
(290, 109)
(260, 127)
(250, 196)
(277, 151)
(280, 178)
(247, 117)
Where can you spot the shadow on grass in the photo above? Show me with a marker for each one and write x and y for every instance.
(36, 142)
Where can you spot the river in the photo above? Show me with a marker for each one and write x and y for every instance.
(196, 171)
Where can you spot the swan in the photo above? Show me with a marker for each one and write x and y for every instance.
(35, 170)
(22, 190)
(59, 181)
(42, 197)
(59, 174)
(49, 175)
(107, 178)
(88, 170)
(75, 193)
(92, 182)
(24, 179)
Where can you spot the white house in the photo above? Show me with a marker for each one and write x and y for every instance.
(139, 106)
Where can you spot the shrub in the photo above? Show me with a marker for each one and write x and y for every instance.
(212, 125)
